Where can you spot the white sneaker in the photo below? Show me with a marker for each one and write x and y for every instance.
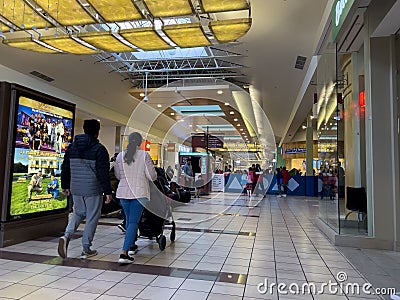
(284, 195)
(279, 196)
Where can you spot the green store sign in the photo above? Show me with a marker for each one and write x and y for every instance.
(340, 11)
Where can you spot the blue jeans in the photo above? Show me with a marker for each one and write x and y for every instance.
(133, 211)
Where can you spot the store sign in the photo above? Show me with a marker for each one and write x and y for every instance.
(295, 150)
(199, 141)
(170, 147)
(217, 183)
(340, 11)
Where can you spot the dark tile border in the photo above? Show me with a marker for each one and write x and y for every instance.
(246, 233)
(216, 214)
(132, 268)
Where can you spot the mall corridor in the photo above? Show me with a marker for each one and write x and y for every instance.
(272, 127)
(226, 246)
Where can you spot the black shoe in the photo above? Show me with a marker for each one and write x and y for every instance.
(133, 250)
(122, 227)
(88, 253)
(63, 246)
(125, 259)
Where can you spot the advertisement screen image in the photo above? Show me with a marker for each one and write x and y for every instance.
(43, 133)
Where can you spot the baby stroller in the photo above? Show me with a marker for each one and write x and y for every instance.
(157, 212)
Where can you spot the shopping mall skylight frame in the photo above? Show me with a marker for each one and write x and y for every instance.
(33, 19)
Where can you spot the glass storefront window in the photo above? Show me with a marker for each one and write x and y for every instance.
(326, 125)
(341, 140)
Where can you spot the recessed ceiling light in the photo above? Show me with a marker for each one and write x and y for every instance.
(159, 105)
(241, 129)
(238, 125)
(235, 120)
(226, 103)
(220, 92)
(172, 114)
(141, 94)
(190, 125)
(232, 113)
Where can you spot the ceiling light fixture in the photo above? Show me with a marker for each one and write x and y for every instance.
(172, 114)
(220, 92)
(235, 120)
(232, 113)
(226, 103)
(159, 105)
(241, 129)
(238, 125)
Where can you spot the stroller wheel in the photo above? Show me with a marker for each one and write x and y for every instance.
(172, 236)
(162, 242)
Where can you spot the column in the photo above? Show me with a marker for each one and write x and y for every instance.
(380, 131)
(310, 148)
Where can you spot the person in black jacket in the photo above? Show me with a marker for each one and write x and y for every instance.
(85, 176)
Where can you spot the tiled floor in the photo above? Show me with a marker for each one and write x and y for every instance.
(225, 248)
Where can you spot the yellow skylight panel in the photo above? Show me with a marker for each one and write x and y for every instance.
(66, 12)
(116, 10)
(145, 38)
(187, 35)
(223, 5)
(28, 44)
(169, 8)
(105, 41)
(21, 14)
(4, 27)
(67, 44)
(230, 30)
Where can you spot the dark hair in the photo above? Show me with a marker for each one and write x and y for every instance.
(135, 139)
(91, 127)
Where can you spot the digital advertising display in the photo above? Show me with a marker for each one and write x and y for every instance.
(43, 132)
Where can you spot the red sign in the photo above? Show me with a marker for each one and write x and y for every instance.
(145, 145)
(361, 99)
(170, 147)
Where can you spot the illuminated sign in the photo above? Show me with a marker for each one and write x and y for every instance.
(340, 11)
(199, 141)
(295, 150)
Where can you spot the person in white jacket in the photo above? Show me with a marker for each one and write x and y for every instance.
(133, 168)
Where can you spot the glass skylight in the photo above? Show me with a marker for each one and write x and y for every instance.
(201, 110)
(214, 127)
(172, 54)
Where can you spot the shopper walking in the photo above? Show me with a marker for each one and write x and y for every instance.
(85, 176)
(285, 180)
(188, 174)
(133, 168)
(250, 182)
(279, 181)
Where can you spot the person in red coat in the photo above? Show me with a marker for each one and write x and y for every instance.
(285, 180)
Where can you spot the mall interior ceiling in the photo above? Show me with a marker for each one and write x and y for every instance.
(274, 62)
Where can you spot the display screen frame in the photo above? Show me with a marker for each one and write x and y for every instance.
(17, 92)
